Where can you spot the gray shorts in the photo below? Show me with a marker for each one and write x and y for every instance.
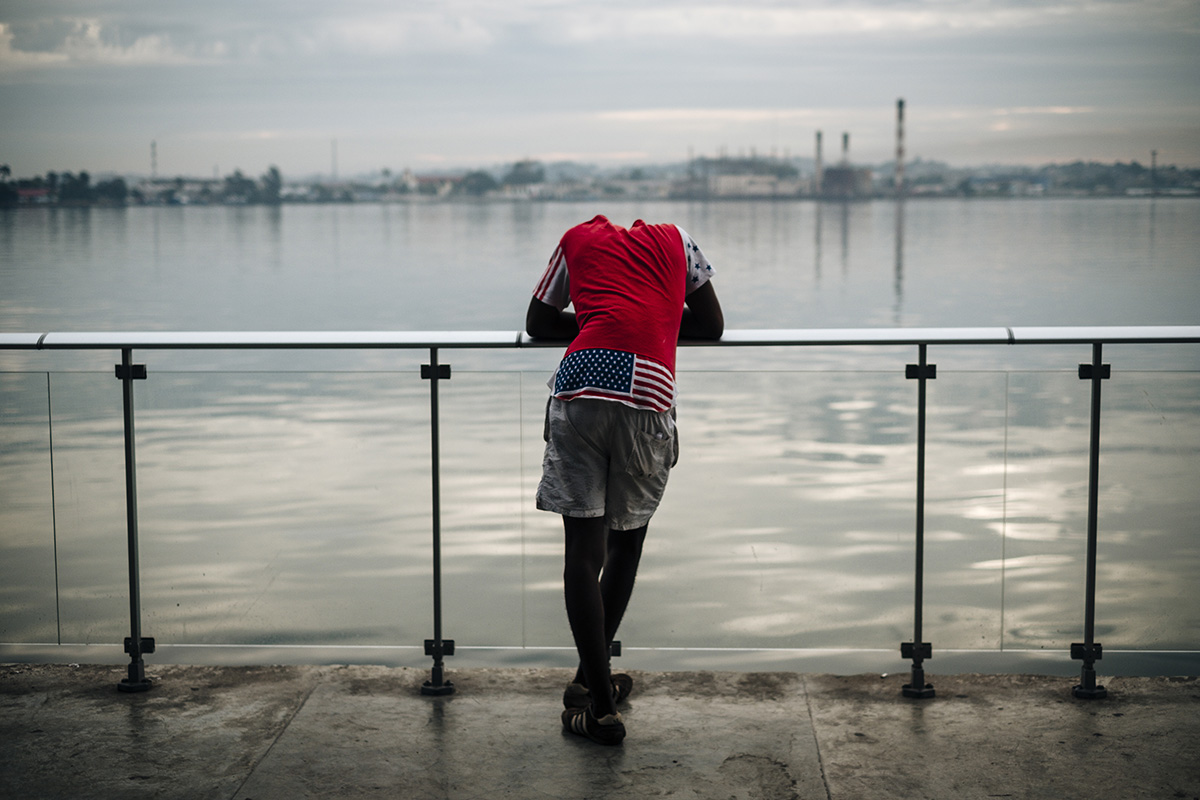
(605, 459)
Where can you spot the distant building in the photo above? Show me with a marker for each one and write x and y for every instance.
(749, 185)
(437, 185)
(845, 183)
(34, 197)
(178, 191)
(745, 178)
(637, 187)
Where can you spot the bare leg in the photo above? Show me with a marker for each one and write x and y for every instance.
(585, 555)
(623, 554)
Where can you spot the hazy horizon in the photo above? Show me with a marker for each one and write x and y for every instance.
(666, 168)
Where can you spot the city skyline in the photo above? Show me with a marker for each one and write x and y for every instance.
(465, 83)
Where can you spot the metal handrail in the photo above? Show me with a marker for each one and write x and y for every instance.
(746, 337)
(1095, 372)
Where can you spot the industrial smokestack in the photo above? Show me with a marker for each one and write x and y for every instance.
(900, 147)
(845, 149)
(820, 167)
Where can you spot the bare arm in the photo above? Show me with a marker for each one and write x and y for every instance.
(544, 321)
(702, 315)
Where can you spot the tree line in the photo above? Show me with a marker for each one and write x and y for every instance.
(77, 189)
(64, 189)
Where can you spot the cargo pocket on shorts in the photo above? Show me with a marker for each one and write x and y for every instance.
(651, 456)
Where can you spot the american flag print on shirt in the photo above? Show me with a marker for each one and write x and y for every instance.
(615, 375)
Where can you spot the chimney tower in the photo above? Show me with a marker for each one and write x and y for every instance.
(845, 149)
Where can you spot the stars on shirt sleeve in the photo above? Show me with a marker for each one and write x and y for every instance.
(698, 266)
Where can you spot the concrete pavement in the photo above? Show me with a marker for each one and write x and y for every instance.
(283, 733)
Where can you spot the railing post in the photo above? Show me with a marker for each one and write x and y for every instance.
(917, 650)
(1090, 651)
(437, 646)
(136, 645)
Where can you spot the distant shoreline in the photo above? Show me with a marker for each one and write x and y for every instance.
(499, 201)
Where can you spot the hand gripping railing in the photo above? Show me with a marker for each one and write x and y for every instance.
(1089, 651)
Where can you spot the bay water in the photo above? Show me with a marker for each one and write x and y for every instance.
(284, 496)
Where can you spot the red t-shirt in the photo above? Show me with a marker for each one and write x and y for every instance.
(628, 287)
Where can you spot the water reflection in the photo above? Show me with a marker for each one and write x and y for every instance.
(817, 227)
(898, 285)
(845, 230)
(274, 223)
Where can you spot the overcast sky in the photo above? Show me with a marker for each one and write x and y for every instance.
(225, 84)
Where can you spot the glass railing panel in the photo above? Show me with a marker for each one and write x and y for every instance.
(964, 510)
(1046, 503)
(284, 508)
(28, 609)
(544, 610)
(1148, 550)
(482, 509)
(89, 496)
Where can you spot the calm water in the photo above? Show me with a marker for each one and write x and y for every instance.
(286, 502)
(416, 267)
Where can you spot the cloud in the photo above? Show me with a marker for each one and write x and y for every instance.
(1035, 110)
(470, 78)
(657, 116)
(397, 31)
(725, 22)
(13, 59)
(122, 32)
(722, 20)
(89, 43)
(53, 33)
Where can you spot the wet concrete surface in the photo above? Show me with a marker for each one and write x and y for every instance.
(267, 733)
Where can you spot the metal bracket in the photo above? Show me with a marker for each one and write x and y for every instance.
(1086, 372)
(910, 650)
(146, 645)
(614, 649)
(135, 372)
(443, 372)
(1087, 652)
(918, 689)
(431, 647)
(136, 684)
(920, 371)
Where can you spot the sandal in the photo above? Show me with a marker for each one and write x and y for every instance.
(608, 730)
(578, 696)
